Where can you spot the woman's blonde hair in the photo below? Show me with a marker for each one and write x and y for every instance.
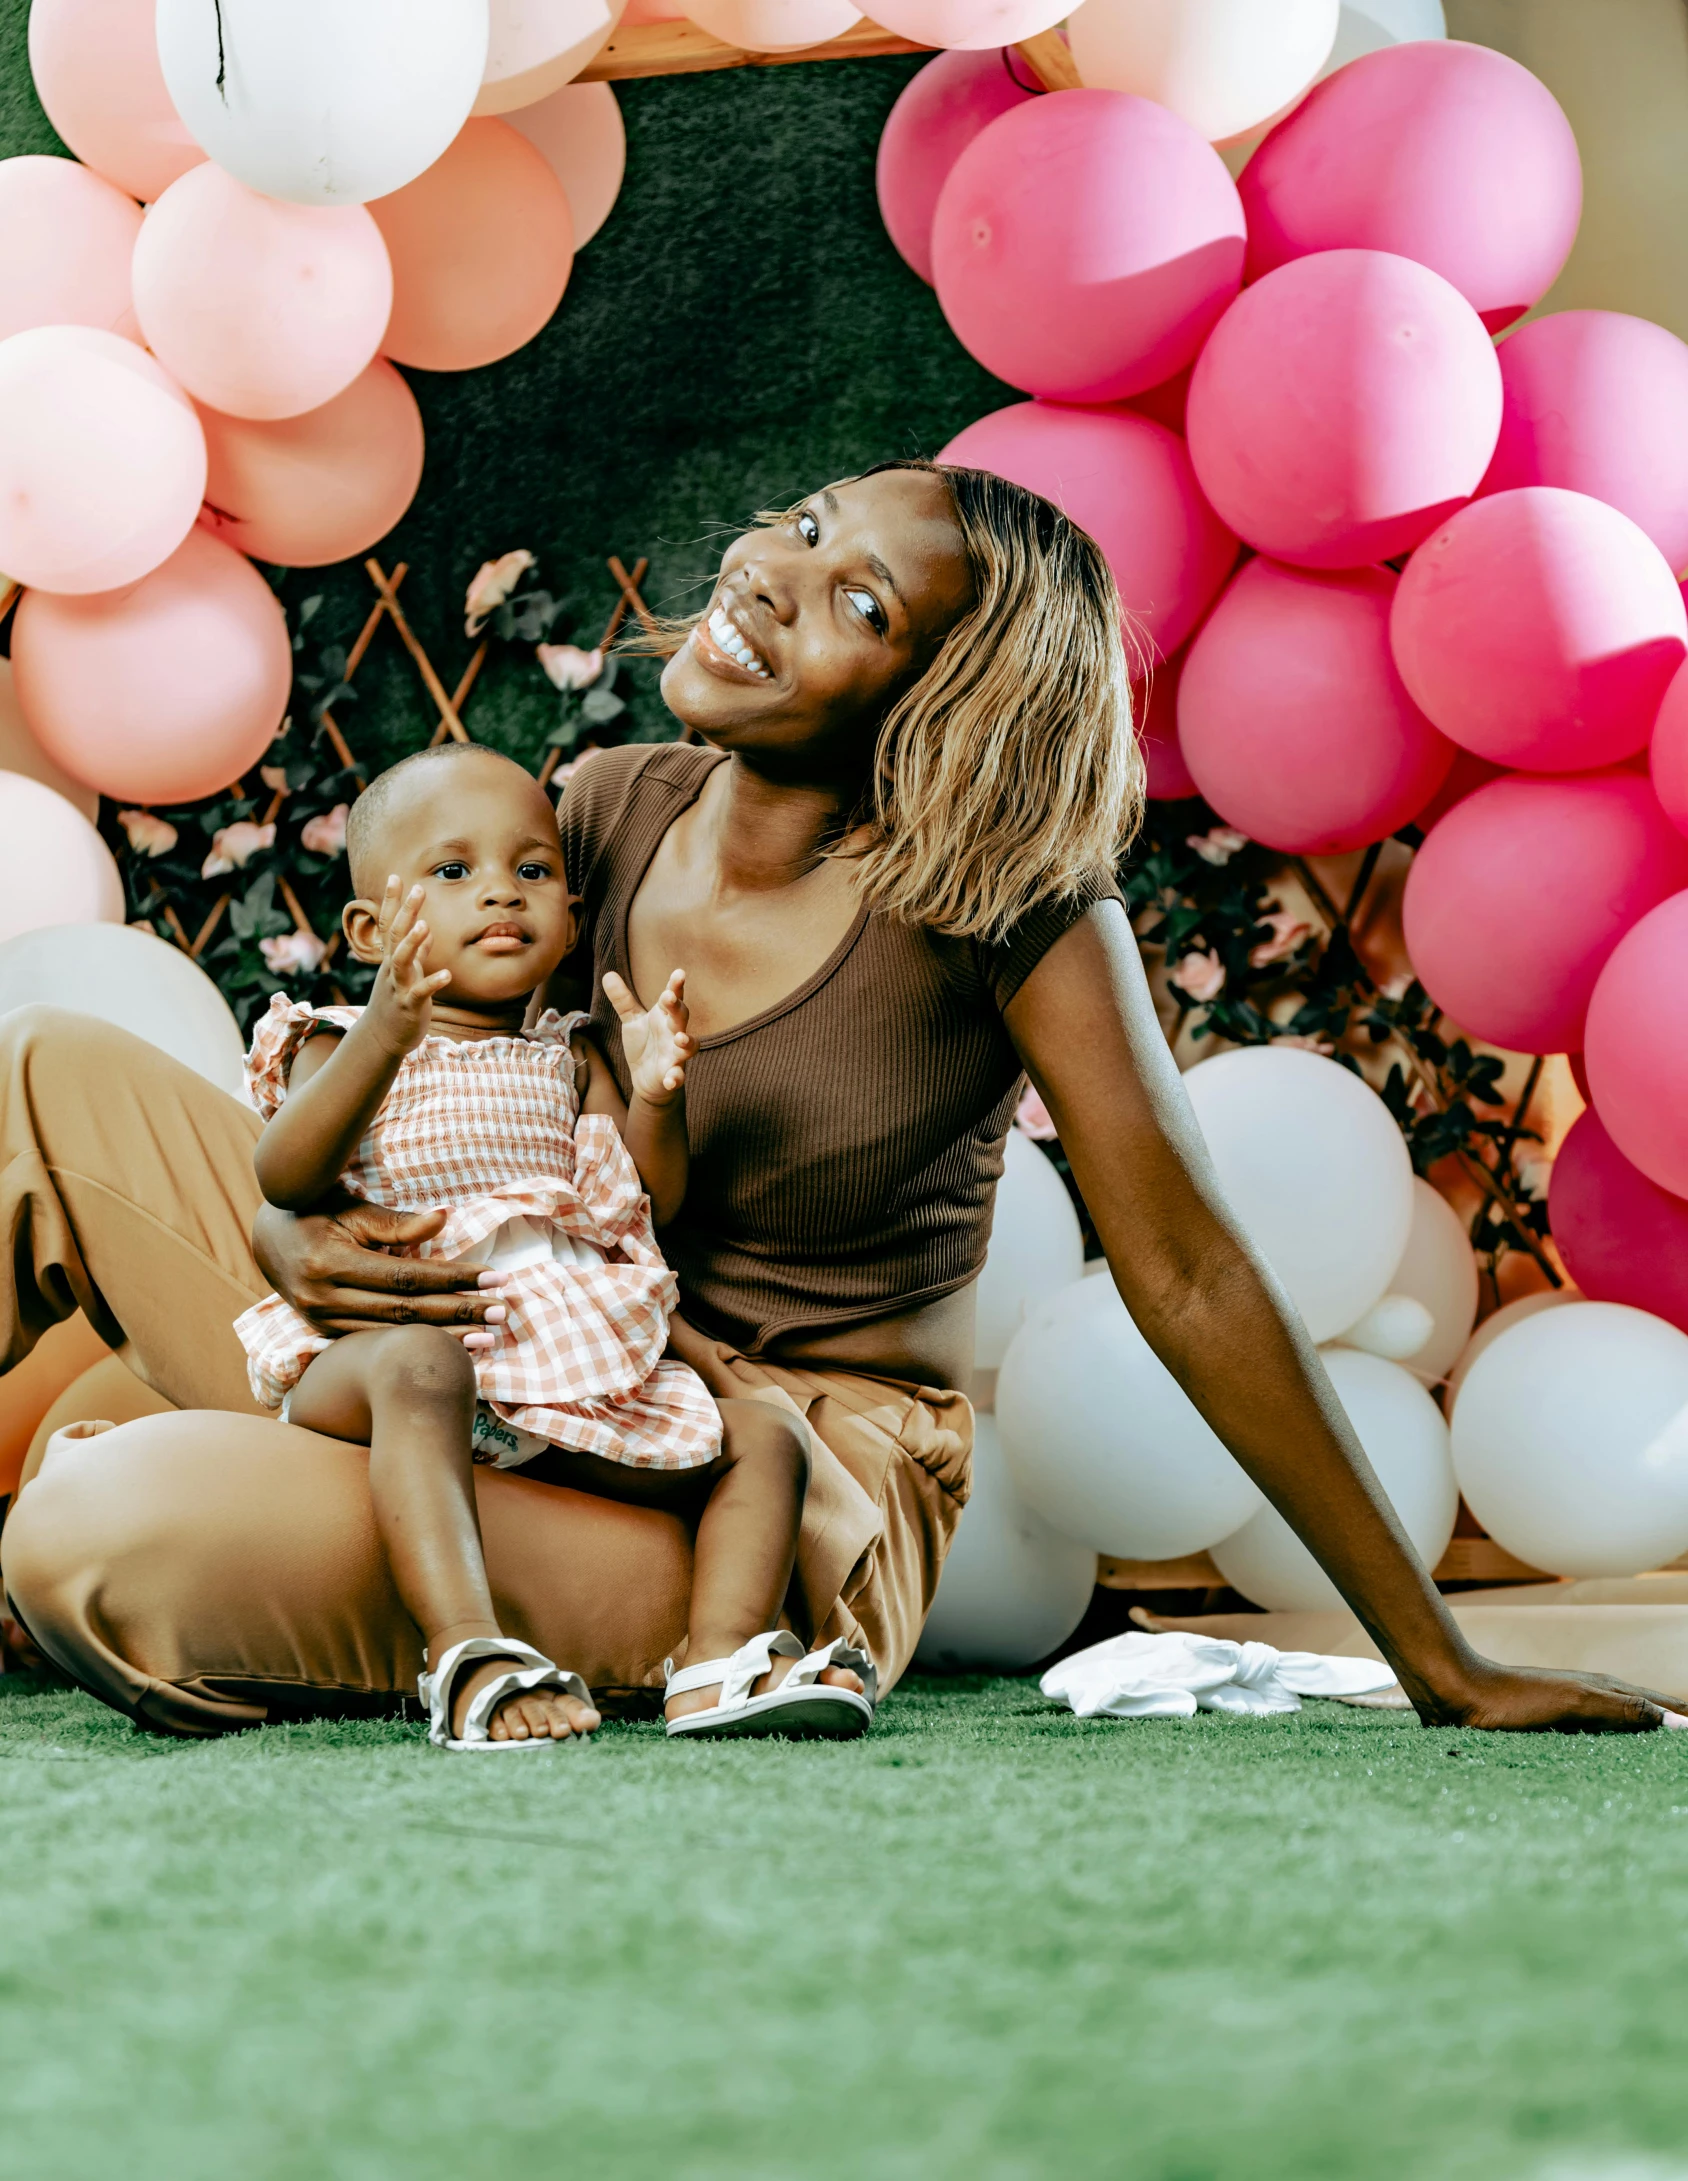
(1009, 772)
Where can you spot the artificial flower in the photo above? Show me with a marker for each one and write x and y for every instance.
(1534, 1169)
(234, 846)
(1287, 933)
(1202, 976)
(291, 952)
(568, 667)
(1319, 1045)
(148, 835)
(492, 583)
(1031, 1118)
(325, 834)
(1217, 846)
(274, 776)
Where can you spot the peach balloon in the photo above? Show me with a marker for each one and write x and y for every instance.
(20, 752)
(481, 247)
(972, 26)
(774, 26)
(54, 868)
(304, 491)
(66, 239)
(539, 45)
(578, 132)
(102, 461)
(163, 692)
(260, 308)
(96, 70)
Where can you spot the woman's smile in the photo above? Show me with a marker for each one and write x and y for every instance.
(722, 645)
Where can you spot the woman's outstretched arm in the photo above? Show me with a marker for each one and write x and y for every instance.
(1085, 1026)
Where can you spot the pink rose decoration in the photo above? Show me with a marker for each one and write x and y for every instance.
(274, 776)
(1319, 1045)
(568, 667)
(1287, 934)
(1031, 1118)
(492, 583)
(148, 835)
(1217, 846)
(325, 835)
(1202, 976)
(235, 846)
(292, 951)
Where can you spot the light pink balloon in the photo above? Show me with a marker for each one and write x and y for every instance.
(1623, 1238)
(578, 132)
(54, 868)
(1448, 153)
(1127, 481)
(937, 115)
(1597, 401)
(774, 26)
(95, 64)
(1343, 407)
(1085, 244)
(1517, 898)
(163, 692)
(1154, 706)
(1636, 1045)
(1669, 764)
(102, 461)
(971, 25)
(260, 308)
(66, 239)
(1540, 628)
(1292, 719)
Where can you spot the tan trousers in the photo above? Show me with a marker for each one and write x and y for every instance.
(204, 1571)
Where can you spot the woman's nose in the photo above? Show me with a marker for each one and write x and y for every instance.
(766, 578)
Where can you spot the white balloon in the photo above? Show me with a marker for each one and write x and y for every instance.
(1037, 1248)
(1571, 1440)
(578, 130)
(1103, 1441)
(323, 101)
(536, 46)
(1492, 1327)
(1224, 66)
(1395, 1328)
(54, 867)
(1402, 21)
(1362, 27)
(1315, 1170)
(134, 981)
(1406, 1441)
(1439, 1270)
(1012, 1588)
(21, 753)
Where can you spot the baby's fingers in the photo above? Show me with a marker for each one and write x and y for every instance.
(409, 954)
(621, 998)
(398, 926)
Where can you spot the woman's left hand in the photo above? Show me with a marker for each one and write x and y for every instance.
(1538, 1699)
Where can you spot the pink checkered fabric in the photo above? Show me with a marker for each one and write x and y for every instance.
(490, 1131)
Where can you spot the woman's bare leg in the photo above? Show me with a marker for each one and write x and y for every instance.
(409, 1393)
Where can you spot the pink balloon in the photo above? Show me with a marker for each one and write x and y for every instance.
(1623, 1238)
(95, 64)
(260, 308)
(1636, 1045)
(1447, 153)
(1154, 706)
(66, 239)
(54, 868)
(1085, 244)
(1670, 751)
(1168, 403)
(481, 245)
(936, 117)
(970, 25)
(1292, 719)
(1465, 777)
(774, 26)
(1343, 407)
(1518, 897)
(304, 491)
(1597, 401)
(163, 692)
(578, 132)
(102, 461)
(1129, 483)
(1540, 628)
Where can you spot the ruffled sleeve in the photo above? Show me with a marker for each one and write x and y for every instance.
(278, 1038)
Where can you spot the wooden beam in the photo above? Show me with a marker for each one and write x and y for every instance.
(1050, 59)
(684, 49)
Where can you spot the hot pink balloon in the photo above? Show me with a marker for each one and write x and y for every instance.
(163, 692)
(304, 491)
(1084, 245)
(54, 867)
(1670, 751)
(1597, 401)
(1343, 407)
(1127, 481)
(1292, 719)
(1623, 1238)
(1154, 706)
(1540, 628)
(1518, 897)
(102, 461)
(969, 24)
(938, 114)
(95, 64)
(1168, 403)
(1447, 153)
(1636, 1045)
(66, 239)
(260, 308)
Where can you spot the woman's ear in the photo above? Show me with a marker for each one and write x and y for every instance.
(361, 923)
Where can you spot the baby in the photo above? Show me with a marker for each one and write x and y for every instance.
(435, 1096)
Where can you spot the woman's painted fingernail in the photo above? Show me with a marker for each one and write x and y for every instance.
(1675, 1719)
(497, 1314)
(478, 1340)
(490, 1279)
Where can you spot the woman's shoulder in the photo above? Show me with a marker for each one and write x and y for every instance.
(607, 784)
(1007, 961)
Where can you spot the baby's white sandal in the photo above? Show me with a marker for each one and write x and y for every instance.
(436, 1689)
(802, 1705)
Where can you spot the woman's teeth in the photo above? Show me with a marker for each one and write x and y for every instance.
(733, 644)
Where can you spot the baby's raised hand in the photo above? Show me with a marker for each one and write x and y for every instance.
(401, 1004)
(655, 1040)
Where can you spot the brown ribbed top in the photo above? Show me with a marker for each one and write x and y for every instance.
(845, 1143)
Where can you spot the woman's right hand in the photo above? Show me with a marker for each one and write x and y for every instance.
(332, 1266)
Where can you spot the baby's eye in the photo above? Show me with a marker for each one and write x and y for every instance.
(533, 872)
(871, 611)
(451, 870)
(807, 528)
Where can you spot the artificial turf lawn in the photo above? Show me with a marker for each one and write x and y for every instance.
(990, 1941)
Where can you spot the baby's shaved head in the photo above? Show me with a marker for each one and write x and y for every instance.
(367, 851)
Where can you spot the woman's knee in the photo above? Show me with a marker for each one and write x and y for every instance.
(421, 1363)
(756, 1434)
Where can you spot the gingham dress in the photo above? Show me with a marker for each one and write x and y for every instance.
(491, 1132)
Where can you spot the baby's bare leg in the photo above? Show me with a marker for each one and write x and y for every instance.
(409, 1394)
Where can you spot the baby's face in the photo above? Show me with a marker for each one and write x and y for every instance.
(481, 842)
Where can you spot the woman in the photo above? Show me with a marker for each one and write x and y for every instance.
(886, 870)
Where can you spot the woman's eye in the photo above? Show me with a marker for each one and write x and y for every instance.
(807, 528)
(871, 611)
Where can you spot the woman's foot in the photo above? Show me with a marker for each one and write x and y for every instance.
(707, 1698)
(525, 1715)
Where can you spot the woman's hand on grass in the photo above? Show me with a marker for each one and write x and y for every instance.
(1539, 1699)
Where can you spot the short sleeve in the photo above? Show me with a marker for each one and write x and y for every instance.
(1011, 960)
(278, 1038)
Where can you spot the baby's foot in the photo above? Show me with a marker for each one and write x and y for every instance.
(525, 1715)
(706, 1698)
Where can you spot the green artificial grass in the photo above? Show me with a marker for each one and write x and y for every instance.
(989, 1942)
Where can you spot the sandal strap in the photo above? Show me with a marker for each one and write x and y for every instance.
(436, 1688)
(737, 1675)
(839, 1652)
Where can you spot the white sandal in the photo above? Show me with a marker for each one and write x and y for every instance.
(436, 1691)
(801, 1705)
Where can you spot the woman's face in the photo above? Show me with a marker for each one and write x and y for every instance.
(819, 624)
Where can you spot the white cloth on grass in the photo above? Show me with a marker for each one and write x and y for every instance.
(1175, 1676)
